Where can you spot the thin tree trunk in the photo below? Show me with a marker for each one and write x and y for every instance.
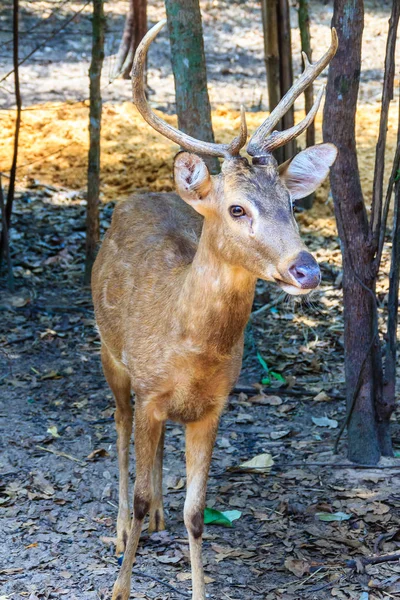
(134, 31)
(189, 69)
(363, 364)
(92, 214)
(286, 69)
(126, 41)
(18, 101)
(5, 249)
(138, 33)
(304, 26)
(389, 384)
(269, 9)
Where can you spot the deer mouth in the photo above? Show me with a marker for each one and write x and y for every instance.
(291, 289)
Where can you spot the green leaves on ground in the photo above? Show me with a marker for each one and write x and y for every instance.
(337, 516)
(216, 517)
(266, 380)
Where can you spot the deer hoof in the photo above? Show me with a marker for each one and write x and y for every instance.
(120, 592)
(122, 540)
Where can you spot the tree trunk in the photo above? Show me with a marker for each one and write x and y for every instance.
(7, 212)
(189, 69)
(304, 26)
(92, 214)
(139, 30)
(134, 31)
(5, 247)
(286, 69)
(363, 363)
(269, 9)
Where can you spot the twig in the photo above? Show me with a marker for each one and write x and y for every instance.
(259, 311)
(332, 465)
(374, 560)
(325, 586)
(62, 454)
(160, 581)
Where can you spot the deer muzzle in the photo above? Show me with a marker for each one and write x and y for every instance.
(305, 271)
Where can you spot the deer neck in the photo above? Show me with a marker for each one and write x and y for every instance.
(216, 297)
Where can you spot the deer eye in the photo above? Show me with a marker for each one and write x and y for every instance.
(237, 211)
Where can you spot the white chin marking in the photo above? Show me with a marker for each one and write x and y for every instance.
(293, 290)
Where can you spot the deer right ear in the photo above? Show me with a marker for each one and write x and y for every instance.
(192, 179)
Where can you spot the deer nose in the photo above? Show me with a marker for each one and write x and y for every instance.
(305, 271)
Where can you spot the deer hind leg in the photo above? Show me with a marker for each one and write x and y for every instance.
(147, 436)
(200, 439)
(156, 522)
(120, 384)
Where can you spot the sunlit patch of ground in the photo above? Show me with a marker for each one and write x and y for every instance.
(54, 144)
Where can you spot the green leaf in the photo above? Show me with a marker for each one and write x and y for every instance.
(266, 380)
(397, 453)
(277, 376)
(338, 516)
(216, 517)
(262, 362)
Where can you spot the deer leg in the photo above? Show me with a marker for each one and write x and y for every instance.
(120, 384)
(156, 522)
(148, 431)
(200, 438)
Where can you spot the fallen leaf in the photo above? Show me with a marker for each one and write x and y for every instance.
(322, 397)
(99, 453)
(53, 431)
(297, 567)
(257, 464)
(216, 517)
(325, 422)
(337, 516)
(276, 435)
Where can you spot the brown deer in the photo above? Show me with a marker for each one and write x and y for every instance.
(173, 286)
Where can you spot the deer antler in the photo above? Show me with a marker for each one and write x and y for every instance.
(184, 140)
(264, 139)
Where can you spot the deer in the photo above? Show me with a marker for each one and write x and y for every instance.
(173, 286)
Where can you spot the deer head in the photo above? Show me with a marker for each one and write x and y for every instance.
(248, 207)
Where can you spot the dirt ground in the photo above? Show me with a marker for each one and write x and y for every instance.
(308, 525)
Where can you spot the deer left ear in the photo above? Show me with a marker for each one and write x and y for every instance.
(307, 170)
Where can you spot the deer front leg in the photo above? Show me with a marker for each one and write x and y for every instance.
(120, 384)
(200, 439)
(147, 435)
(156, 521)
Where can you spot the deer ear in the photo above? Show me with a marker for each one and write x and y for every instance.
(192, 179)
(307, 170)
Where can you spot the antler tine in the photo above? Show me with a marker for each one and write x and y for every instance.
(183, 139)
(280, 138)
(239, 141)
(258, 140)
